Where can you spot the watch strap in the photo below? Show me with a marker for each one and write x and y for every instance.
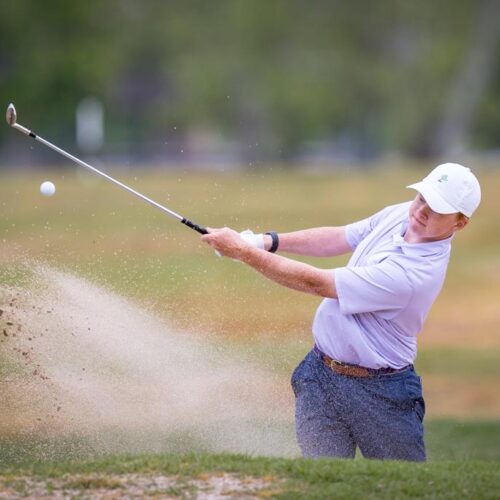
(275, 241)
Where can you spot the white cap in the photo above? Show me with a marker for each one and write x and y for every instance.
(450, 188)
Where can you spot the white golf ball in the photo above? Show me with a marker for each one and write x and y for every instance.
(47, 188)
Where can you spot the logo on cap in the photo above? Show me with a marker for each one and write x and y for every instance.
(443, 178)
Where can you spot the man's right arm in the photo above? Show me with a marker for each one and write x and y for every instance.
(315, 242)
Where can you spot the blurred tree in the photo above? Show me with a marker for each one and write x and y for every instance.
(416, 78)
(474, 75)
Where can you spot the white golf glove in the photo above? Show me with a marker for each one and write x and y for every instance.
(256, 240)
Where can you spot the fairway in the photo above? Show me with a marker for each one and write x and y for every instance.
(114, 314)
(236, 476)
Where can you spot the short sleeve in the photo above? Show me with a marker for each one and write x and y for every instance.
(358, 231)
(381, 287)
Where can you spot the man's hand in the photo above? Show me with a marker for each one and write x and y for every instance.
(229, 243)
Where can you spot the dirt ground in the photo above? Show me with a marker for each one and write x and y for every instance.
(118, 486)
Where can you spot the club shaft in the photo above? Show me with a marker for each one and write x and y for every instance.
(76, 160)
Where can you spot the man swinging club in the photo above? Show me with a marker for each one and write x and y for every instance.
(357, 386)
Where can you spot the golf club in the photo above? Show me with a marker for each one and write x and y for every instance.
(11, 117)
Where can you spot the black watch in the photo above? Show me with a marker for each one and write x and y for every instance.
(276, 241)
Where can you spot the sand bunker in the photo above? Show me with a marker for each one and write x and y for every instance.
(82, 361)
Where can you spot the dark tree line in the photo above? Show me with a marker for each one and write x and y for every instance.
(418, 78)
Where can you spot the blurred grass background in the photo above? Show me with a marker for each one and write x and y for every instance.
(95, 230)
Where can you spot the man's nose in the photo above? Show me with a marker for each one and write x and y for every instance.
(423, 211)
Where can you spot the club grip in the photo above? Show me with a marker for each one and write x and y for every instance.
(194, 226)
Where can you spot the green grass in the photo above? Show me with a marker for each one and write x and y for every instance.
(463, 440)
(462, 362)
(298, 478)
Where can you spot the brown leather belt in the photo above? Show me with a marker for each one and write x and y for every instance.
(355, 370)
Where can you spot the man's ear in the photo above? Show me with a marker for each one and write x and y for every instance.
(461, 222)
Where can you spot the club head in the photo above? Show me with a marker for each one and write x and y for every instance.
(11, 115)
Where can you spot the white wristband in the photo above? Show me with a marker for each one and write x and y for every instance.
(256, 240)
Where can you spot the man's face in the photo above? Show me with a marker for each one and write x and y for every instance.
(426, 225)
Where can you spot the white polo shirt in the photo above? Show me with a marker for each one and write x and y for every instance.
(385, 293)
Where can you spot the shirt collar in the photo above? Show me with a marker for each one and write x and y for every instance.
(419, 249)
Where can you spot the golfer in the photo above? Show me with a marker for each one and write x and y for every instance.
(357, 387)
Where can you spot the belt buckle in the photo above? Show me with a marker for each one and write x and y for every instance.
(332, 364)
